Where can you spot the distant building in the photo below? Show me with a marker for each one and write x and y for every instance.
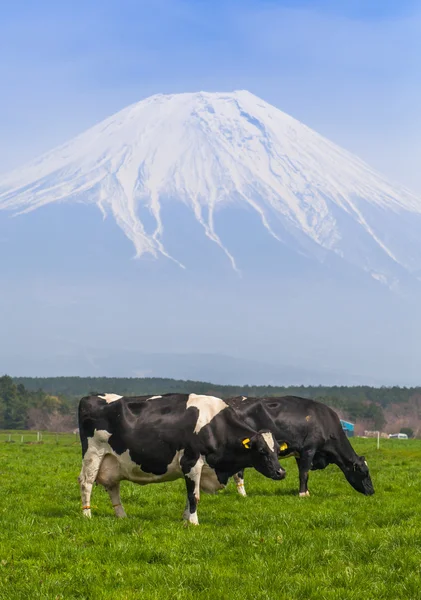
(348, 428)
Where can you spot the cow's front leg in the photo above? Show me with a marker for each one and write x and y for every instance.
(304, 465)
(192, 470)
(239, 482)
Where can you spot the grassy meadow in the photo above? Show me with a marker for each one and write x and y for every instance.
(272, 545)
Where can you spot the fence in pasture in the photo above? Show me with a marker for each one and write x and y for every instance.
(72, 439)
(38, 437)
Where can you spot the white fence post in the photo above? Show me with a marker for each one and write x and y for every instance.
(378, 440)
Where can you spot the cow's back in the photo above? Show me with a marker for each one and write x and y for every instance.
(293, 419)
(137, 421)
(296, 408)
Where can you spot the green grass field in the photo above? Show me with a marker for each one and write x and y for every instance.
(336, 544)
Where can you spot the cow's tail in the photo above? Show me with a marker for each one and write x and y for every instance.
(86, 421)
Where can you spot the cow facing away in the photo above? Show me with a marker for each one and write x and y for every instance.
(308, 430)
(161, 438)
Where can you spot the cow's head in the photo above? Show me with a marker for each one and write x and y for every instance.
(359, 477)
(264, 451)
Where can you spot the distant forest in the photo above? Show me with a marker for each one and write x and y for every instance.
(24, 408)
(51, 403)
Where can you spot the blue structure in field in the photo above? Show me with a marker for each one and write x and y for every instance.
(348, 428)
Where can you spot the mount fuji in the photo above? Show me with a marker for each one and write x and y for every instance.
(253, 236)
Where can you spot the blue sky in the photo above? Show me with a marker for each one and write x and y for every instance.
(349, 69)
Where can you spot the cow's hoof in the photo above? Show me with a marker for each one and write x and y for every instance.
(187, 523)
(241, 490)
(190, 519)
(304, 494)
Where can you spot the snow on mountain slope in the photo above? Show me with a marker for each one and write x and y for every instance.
(210, 150)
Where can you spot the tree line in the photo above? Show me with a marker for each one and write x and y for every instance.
(131, 386)
(23, 408)
(28, 401)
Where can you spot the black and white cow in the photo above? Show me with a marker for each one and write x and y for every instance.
(308, 430)
(161, 438)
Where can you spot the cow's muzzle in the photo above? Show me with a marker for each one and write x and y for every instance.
(279, 474)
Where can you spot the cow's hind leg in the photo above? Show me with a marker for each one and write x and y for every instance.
(304, 465)
(90, 467)
(91, 462)
(192, 470)
(114, 493)
(109, 477)
(239, 481)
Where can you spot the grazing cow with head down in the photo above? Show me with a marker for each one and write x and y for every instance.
(308, 430)
(161, 438)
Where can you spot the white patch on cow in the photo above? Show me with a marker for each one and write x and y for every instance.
(194, 474)
(239, 481)
(208, 406)
(111, 467)
(154, 397)
(193, 518)
(101, 436)
(244, 398)
(241, 489)
(268, 437)
(113, 491)
(109, 472)
(189, 517)
(91, 463)
(110, 397)
(365, 462)
(304, 494)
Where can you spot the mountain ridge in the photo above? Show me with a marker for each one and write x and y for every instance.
(210, 151)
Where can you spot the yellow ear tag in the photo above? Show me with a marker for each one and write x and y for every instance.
(283, 447)
(246, 443)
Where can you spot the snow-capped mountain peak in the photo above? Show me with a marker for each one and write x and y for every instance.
(213, 150)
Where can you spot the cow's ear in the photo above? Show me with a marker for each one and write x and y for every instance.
(246, 443)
